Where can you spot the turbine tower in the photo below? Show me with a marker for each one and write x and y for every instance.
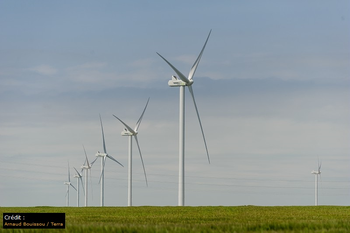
(87, 166)
(181, 81)
(128, 131)
(68, 183)
(79, 178)
(103, 156)
(316, 173)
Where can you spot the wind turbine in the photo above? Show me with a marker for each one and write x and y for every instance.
(181, 81)
(79, 178)
(128, 131)
(68, 183)
(87, 166)
(103, 156)
(316, 173)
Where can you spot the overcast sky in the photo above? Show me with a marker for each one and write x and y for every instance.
(272, 90)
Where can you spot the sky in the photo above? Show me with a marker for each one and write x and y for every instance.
(272, 90)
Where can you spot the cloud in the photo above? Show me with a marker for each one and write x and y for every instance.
(92, 65)
(142, 63)
(187, 59)
(44, 70)
(101, 75)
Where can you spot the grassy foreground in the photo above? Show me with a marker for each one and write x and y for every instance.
(195, 219)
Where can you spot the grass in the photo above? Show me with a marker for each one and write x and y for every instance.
(195, 219)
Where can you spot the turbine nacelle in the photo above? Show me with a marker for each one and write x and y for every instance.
(316, 172)
(85, 167)
(126, 132)
(175, 82)
(101, 154)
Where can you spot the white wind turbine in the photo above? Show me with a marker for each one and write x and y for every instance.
(316, 173)
(68, 183)
(128, 131)
(182, 82)
(87, 166)
(103, 156)
(79, 178)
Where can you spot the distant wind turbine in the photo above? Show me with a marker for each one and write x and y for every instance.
(103, 156)
(181, 81)
(79, 178)
(316, 173)
(128, 131)
(87, 166)
(68, 183)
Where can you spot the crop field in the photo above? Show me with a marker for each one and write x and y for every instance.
(195, 219)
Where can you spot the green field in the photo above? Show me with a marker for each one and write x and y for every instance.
(195, 219)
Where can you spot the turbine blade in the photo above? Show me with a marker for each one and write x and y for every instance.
(199, 120)
(82, 184)
(194, 67)
(67, 193)
(86, 158)
(110, 157)
(181, 76)
(143, 165)
(68, 173)
(103, 137)
(73, 186)
(126, 126)
(140, 119)
(103, 169)
(93, 161)
(77, 172)
(319, 167)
